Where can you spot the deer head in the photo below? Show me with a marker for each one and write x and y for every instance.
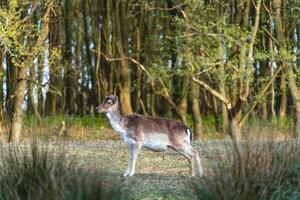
(109, 104)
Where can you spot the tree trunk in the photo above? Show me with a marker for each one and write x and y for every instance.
(40, 103)
(121, 41)
(235, 125)
(1, 91)
(70, 83)
(295, 92)
(297, 119)
(182, 108)
(235, 129)
(194, 95)
(31, 102)
(17, 119)
(53, 96)
(277, 4)
(11, 82)
(283, 97)
(138, 70)
(271, 64)
(264, 110)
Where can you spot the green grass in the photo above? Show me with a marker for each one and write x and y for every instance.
(254, 170)
(157, 175)
(38, 171)
(87, 121)
(98, 128)
(83, 169)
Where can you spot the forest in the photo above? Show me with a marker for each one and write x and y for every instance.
(231, 59)
(228, 69)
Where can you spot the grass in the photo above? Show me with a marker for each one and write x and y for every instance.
(254, 170)
(40, 172)
(90, 155)
(93, 128)
(92, 170)
(158, 175)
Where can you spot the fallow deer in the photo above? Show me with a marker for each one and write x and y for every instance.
(155, 133)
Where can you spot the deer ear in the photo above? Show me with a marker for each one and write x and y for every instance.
(116, 99)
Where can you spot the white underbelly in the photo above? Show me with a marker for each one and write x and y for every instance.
(156, 142)
(155, 146)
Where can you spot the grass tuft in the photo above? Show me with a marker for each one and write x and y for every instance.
(255, 170)
(43, 173)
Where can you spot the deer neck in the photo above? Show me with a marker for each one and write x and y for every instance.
(117, 120)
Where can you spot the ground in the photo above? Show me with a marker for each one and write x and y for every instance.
(157, 174)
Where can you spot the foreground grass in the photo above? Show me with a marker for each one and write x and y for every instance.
(254, 170)
(38, 172)
(158, 175)
(92, 170)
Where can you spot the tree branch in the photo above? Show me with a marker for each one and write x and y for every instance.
(212, 91)
(259, 97)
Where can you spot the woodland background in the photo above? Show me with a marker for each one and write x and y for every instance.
(231, 60)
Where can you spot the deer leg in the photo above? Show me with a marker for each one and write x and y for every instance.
(185, 152)
(191, 154)
(192, 171)
(134, 151)
(126, 173)
(198, 161)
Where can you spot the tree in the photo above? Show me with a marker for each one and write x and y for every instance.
(15, 32)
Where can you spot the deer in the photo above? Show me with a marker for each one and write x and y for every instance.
(155, 133)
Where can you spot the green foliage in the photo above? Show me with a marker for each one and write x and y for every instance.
(209, 124)
(54, 121)
(17, 37)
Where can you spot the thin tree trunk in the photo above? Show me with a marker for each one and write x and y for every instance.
(223, 106)
(138, 36)
(277, 4)
(182, 108)
(30, 94)
(271, 66)
(70, 83)
(53, 99)
(17, 118)
(264, 110)
(1, 91)
(295, 92)
(194, 95)
(297, 119)
(235, 129)
(11, 82)
(283, 97)
(273, 96)
(121, 39)
(40, 103)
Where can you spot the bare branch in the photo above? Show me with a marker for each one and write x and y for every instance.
(255, 29)
(33, 9)
(271, 36)
(260, 96)
(212, 91)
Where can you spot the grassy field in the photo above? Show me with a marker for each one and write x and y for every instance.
(261, 170)
(157, 175)
(90, 145)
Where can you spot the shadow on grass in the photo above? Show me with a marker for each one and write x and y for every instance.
(150, 185)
